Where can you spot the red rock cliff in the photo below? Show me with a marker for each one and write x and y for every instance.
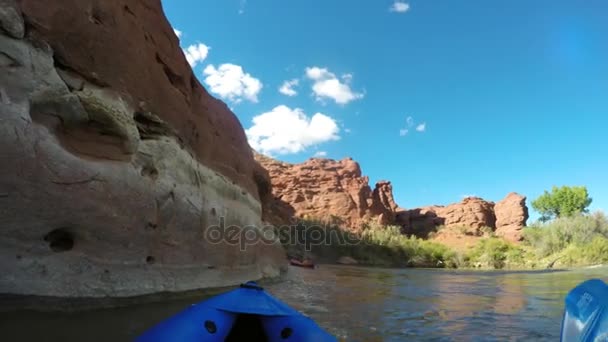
(115, 160)
(472, 213)
(328, 190)
(506, 218)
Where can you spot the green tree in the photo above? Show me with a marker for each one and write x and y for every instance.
(562, 201)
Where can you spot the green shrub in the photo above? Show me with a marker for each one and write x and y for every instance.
(571, 241)
(487, 231)
(409, 250)
(496, 253)
(555, 236)
(595, 252)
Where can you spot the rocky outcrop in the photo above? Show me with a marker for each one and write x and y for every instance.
(335, 191)
(383, 204)
(511, 216)
(471, 214)
(328, 190)
(115, 160)
(506, 218)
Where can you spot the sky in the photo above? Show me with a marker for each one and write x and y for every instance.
(445, 99)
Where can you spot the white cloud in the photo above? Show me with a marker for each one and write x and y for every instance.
(284, 130)
(178, 33)
(399, 7)
(327, 85)
(196, 53)
(287, 87)
(321, 154)
(410, 124)
(231, 82)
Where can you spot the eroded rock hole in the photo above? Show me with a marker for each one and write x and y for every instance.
(60, 240)
(150, 172)
(150, 259)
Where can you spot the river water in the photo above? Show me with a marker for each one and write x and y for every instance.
(360, 304)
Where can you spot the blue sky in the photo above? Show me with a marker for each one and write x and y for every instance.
(501, 96)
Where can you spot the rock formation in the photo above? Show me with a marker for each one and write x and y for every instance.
(335, 191)
(506, 217)
(511, 216)
(472, 214)
(327, 190)
(115, 160)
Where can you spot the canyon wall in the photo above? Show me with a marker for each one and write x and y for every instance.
(336, 191)
(327, 190)
(115, 160)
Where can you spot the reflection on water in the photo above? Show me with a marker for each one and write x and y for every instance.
(361, 304)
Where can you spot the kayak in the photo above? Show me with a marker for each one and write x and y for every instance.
(247, 313)
(305, 263)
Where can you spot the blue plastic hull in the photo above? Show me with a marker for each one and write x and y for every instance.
(215, 318)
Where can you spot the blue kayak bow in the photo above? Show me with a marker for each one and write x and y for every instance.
(585, 315)
(247, 313)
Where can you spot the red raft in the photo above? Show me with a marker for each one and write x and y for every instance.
(304, 263)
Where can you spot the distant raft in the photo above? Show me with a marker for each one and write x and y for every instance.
(245, 314)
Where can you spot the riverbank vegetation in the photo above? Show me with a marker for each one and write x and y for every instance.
(375, 245)
(570, 241)
(565, 236)
(564, 242)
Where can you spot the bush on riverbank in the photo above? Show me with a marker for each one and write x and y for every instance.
(374, 245)
(570, 241)
(410, 251)
(496, 253)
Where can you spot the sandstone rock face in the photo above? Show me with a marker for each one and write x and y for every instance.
(506, 218)
(472, 214)
(511, 216)
(327, 190)
(383, 204)
(115, 160)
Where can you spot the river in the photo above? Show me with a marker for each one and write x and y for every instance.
(360, 304)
